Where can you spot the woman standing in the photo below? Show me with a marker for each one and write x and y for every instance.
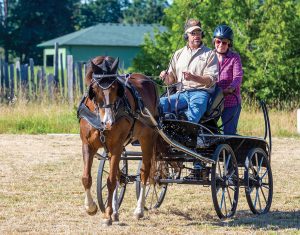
(230, 77)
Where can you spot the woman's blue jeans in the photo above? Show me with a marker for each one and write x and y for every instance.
(233, 113)
(193, 103)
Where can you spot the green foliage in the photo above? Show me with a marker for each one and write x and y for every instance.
(144, 11)
(30, 22)
(266, 35)
(104, 11)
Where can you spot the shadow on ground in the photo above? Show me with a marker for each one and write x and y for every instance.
(273, 220)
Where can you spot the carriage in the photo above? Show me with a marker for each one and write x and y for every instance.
(227, 163)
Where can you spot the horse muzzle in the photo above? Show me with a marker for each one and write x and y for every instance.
(108, 119)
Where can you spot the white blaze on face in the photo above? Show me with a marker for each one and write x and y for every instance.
(108, 116)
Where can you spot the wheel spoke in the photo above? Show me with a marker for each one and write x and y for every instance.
(264, 174)
(259, 199)
(225, 203)
(224, 162)
(233, 189)
(220, 172)
(256, 196)
(251, 178)
(104, 186)
(229, 197)
(222, 199)
(262, 191)
(256, 161)
(227, 163)
(260, 164)
(265, 186)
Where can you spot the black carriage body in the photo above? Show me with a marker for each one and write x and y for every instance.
(186, 134)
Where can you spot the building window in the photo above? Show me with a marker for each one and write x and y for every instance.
(49, 60)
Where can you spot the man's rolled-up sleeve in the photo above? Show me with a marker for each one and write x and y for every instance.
(212, 68)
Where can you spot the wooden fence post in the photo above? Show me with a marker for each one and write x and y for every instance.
(6, 78)
(12, 84)
(32, 82)
(1, 75)
(62, 76)
(79, 71)
(56, 64)
(51, 84)
(18, 79)
(70, 78)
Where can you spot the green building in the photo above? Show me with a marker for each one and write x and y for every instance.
(122, 40)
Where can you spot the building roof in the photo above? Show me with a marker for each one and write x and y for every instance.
(106, 34)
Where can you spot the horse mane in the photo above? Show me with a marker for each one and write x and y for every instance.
(97, 60)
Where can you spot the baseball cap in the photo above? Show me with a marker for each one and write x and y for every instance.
(191, 25)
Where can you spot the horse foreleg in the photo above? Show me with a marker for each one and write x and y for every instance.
(89, 204)
(115, 204)
(112, 198)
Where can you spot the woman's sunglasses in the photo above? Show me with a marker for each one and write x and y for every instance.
(218, 42)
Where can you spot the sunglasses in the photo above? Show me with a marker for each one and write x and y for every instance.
(218, 42)
(195, 33)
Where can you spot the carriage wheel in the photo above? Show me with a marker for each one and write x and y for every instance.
(225, 182)
(155, 193)
(102, 190)
(258, 181)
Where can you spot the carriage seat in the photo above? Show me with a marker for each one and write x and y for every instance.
(214, 110)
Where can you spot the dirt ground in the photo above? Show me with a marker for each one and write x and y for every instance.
(41, 193)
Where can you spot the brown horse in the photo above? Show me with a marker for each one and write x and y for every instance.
(106, 92)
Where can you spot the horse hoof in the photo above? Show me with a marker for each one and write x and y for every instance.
(138, 215)
(106, 222)
(92, 210)
(115, 217)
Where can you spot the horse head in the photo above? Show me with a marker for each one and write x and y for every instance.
(104, 89)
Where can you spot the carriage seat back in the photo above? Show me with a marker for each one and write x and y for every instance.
(215, 105)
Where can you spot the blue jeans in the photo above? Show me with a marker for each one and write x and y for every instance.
(230, 128)
(194, 103)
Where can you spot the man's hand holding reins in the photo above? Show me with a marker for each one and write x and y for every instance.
(166, 77)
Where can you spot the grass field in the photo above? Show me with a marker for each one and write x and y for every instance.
(41, 193)
(41, 118)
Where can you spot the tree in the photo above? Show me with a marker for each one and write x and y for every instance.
(277, 63)
(266, 34)
(100, 11)
(144, 11)
(38, 21)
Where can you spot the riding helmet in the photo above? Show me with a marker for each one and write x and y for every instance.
(224, 32)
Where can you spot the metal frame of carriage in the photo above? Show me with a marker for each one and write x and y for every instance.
(229, 162)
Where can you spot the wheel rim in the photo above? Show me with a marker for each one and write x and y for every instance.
(258, 182)
(224, 180)
(102, 190)
(155, 193)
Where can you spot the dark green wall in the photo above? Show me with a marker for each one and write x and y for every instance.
(85, 53)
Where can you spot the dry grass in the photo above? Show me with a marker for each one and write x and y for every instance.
(283, 123)
(41, 193)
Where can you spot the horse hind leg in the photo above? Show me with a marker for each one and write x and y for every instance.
(147, 146)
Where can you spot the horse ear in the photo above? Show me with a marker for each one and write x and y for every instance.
(95, 68)
(115, 65)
